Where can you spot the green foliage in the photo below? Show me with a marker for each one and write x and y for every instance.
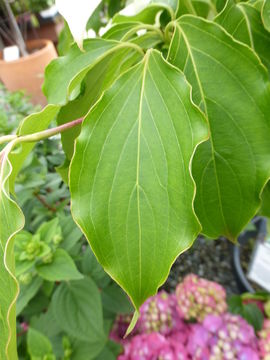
(35, 6)
(14, 107)
(174, 141)
(250, 311)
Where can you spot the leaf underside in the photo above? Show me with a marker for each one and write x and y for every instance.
(130, 180)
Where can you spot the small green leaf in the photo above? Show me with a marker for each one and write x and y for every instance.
(250, 312)
(48, 230)
(78, 311)
(61, 268)
(253, 315)
(38, 345)
(30, 125)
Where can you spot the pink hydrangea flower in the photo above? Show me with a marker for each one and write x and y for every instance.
(223, 337)
(154, 346)
(264, 340)
(156, 314)
(197, 298)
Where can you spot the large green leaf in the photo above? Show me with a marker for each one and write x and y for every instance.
(244, 23)
(78, 311)
(131, 186)
(12, 221)
(232, 87)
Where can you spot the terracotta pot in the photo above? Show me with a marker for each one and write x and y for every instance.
(27, 73)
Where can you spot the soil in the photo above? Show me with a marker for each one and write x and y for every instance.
(210, 259)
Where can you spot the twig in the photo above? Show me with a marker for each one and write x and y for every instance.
(43, 202)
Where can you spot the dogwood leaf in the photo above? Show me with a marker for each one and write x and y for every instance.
(244, 23)
(232, 87)
(12, 221)
(130, 179)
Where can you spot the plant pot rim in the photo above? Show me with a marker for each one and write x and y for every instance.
(41, 44)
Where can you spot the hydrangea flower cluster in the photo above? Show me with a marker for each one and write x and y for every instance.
(166, 329)
(223, 337)
(197, 298)
(264, 340)
(154, 346)
(156, 315)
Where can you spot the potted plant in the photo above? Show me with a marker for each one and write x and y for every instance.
(26, 72)
(172, 140)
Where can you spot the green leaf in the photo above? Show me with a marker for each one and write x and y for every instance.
(117, 31)
(130, 181)
(48, 230)
(110, 351)
(265, 13)
(27, 292)
(38, 345)
(93, 79)
(32, 124)
(250, 312)
(115, 300)
(265, 207)
(204, 8)
(82, 350)
(78, 311)
(244, 23)
(232, 87)
(92, 267)
(71, 233)
(46, 323)
(12, 221)
(65, 40)
(61, 75)
(61, 268)
(149, 14)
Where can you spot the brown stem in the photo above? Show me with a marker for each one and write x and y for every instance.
(43, 202)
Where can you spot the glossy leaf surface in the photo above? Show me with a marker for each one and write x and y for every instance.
(232, 87)
(243, 21)
(130, 180)
(12, 221)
